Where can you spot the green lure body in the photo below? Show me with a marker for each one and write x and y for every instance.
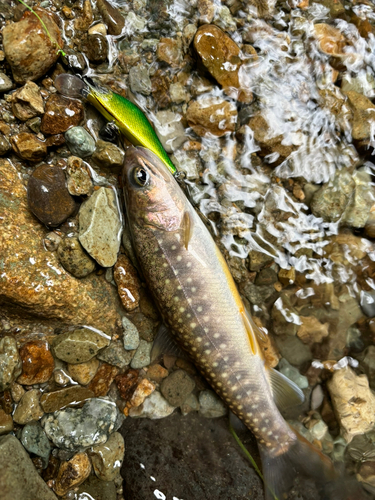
(130, 120)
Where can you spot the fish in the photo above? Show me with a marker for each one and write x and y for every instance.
(127, 117)
(201, 306)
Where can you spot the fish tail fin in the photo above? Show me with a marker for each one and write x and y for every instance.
(303, 469)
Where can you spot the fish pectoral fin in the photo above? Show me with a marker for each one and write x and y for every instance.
(285, 392)
(165, 343)
(186, 229)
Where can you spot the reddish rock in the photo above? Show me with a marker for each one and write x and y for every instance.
(60, 114)
(102, 380)
(37, 363)
(212, 115)
(48, 197)
(128, 283)
(27, 47)
(28, 147)
(127, 383)
(170, 51)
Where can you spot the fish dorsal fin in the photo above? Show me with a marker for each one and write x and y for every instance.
(285, 392)
(165, 343)
(256, 335)
(186, 229)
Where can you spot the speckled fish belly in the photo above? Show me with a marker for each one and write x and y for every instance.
(200, 304)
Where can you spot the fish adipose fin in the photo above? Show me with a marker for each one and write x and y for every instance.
(164, 343)
(285, 392)
(304, 472)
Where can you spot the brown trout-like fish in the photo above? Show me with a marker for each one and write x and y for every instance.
(200, 304)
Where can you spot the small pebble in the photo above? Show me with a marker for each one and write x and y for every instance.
(27, 102)
(293, 374)
(35, 441)
(177, 387)
(28, 147)
(111, 17)
(5, 83)
(74, 259)
(154, 407)
(107, 458)
(6, 422)
(210, 405)
(79, 182)
(72, 473)
(83, 373)
(80, 142)
(128, 283)
(116, 355)
(80, 345)
(131, 335)
(139, 79)
(142, 391)
(108, 155)
(190, 404)
(52, 241)
(60, 114)
(103, 379)
(37, 363)
(10, 362)
(28, 408)
(126, 383)
(142, 356)
(57, 400)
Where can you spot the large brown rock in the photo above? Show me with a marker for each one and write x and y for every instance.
(27, 47)
(31, 278)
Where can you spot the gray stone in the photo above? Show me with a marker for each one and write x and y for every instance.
(358, 209)
(330, 201)
(28, 408)
(96, 489)
(79, 345)
(131, 335)
(100, 226)
(154, 407)
(142, 356)
(150, 44)
(5, 83)
(190, 404)
(177, 387)
(74, 259)
(116, 355)
(134, 23)
(35, 441)
(79, 142)
(223, 18)
(107, 459)
(293, 374)
(258, 294)
(170, 130)
(10, 362)
(139, 79)
(211, 406)
(293, 349)
(76, 429)
(18, 477)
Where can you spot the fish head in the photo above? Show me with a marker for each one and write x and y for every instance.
(152, 196)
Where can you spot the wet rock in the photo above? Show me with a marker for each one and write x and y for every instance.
(177, 387)
(72, 473)
(211, 115)
(95, 47)
(84, 21)
(139, 79)
(368, 364)
(79, 345)
(187, 162)
(35, 441)
(10, 362)
(48, 196)
(134, 23)
(224, 19)
(131, 335)
(293, 374)
(178, 93)
(361, 448)
(4, 145)
(100, 226)
(358, 209)
(79, 142)
(160, 89)
(57, 400)
(61, 113)
(5, 83)
(28, 408)
(83, 373)
(111, 17)
(18, 476)
(170, 130)
(27, 102)
(142, 356)
(103, 379)
(170, 51)
(6, 422)
(258, 294)
(97, 489)
(127, 281)
(353, 401)
(362, 83)
(99, 29)
(221, 56)
(211, 405)
(108, 155)
(366, 475)
(287, 276)
(156, 373)
(266, 277)
(127, 383)
(147, 328)
(17, 391)
(258, 260)
(37, 363)
(190, 404)
(74, 259)
(363, 116)
(312, 330)
(116, 355)
(192, 464)
(330, 201)
(285, 318)
(28, 147)
(107, 458)
(142, 391)
(79, 181)
(293, 350)
(28, 49)
(92, 423)
(128, 58)
(154, 407)
(369, 226)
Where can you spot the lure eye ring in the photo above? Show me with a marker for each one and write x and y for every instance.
(140, 177)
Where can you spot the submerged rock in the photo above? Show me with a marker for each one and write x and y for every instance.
(57, 400)
(28, 408)
(103, 379)
(211, 115)
(108, 155)
(107, 458)
(74, 259)
(83, 373)
(5, 83)
(142, 356)
(79, 181)
(18, 476)
(153, 407)
(91, 424)
(35, 441)
(139, 79)
(97, 489)
(127, 281)
(6, 422)
(100, 226)
(72, 473)
(170, 130)
(131, 335)
(116, 355)
(79, 345)
(28, 49)
(10, 362)
(28, 147)
(358, 209)
(61, 113)
(293, 374)
(27, 102)
(177, 387)
(48, 196)
(79, 142)
(111, 17)
(210, 405)
(37, 363)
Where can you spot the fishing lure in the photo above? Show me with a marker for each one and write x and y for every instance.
(123, 114)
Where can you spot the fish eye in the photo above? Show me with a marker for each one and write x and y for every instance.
(140, 176)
